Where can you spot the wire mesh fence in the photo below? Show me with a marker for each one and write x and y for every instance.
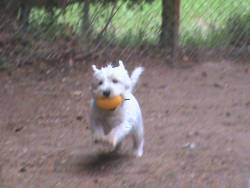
(125, 29)
(219, 26)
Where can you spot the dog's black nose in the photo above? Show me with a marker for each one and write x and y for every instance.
(106, 93)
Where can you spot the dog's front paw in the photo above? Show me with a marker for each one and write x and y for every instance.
(138, 153)
(98, 138)
(111, 141)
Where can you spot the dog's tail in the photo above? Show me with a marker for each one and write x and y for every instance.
(135, 76)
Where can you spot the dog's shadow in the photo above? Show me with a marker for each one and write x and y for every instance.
(101, 163)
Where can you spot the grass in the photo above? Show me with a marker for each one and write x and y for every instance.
(3, 64)
(203, 23)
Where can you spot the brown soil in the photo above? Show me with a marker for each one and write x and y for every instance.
(197, 130)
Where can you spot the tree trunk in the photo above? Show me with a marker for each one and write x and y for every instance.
(170, 24)
(86, 24)
(24, 16)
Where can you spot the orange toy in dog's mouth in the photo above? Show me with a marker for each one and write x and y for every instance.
(106, 103)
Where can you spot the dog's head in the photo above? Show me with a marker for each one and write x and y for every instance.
(110, 81)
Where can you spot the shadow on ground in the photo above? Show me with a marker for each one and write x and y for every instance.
(100, 163)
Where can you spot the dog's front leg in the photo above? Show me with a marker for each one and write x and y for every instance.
(117, 134)
(97, 132)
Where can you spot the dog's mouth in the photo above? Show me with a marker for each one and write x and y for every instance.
(109, 104)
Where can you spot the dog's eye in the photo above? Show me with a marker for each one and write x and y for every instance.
(115, 81)
(100, 83)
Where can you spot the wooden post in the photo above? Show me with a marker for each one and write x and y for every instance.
(86, 25)
(170, 26)
(24, 16)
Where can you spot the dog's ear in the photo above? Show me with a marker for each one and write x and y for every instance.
(121, 65)
(94, 68)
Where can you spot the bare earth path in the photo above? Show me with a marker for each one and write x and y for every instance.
(197, 125)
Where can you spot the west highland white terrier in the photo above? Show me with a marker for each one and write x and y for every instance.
(112, 126)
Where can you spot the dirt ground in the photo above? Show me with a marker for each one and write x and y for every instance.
(197, 130)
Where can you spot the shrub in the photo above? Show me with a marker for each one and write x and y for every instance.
(238, 30)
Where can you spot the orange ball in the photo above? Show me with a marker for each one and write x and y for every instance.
(109, 103)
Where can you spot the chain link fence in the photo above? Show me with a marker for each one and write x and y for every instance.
(126, 29)
(218, 28)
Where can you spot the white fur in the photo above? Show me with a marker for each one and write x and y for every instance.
(135, 76)
(112, 127)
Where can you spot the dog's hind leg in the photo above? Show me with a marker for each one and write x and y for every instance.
(138, 143)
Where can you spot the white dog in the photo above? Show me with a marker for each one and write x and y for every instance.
(112, 126)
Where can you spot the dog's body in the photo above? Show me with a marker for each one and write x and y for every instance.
(112, 126)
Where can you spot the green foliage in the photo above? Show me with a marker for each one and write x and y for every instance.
(206, 23)
(54, 24)
(238, 30)
(130, 26)
(202, 24)
(3, 64)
